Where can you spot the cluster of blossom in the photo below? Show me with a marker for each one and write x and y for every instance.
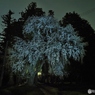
(45, 40)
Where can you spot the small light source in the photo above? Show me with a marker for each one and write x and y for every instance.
(89, 91)
(39, 73)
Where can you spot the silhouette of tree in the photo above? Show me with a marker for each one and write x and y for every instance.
(31, 10)
(51, 13)
(87, 32)
(6, 39)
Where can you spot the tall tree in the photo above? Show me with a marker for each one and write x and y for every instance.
(84, 30)
(44, 40)
(7, 38)
(31, 10)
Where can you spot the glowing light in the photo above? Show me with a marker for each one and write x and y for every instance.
(39, 73)
(90, 91)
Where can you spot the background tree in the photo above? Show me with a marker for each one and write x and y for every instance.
(51, 13)
(46, 41)
(1, 51)
(6, 39)
(31, 10)
(84, 30)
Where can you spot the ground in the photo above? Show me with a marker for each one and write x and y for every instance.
(41, 89)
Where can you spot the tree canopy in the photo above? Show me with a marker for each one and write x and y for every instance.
(45, 40)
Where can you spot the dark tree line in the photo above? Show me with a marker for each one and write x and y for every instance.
(7, 38)
(77, 71)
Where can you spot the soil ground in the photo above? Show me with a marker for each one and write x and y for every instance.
(43, 89)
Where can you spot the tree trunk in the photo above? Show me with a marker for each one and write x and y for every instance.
(1, 77)
(32, 79)
(35, 79)
(11, 81)
(4, 62)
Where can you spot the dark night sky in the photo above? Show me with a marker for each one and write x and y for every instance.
(84, 7)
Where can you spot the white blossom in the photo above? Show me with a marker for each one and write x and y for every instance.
(48, 40)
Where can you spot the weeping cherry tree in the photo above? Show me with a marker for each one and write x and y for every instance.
(45, 40)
